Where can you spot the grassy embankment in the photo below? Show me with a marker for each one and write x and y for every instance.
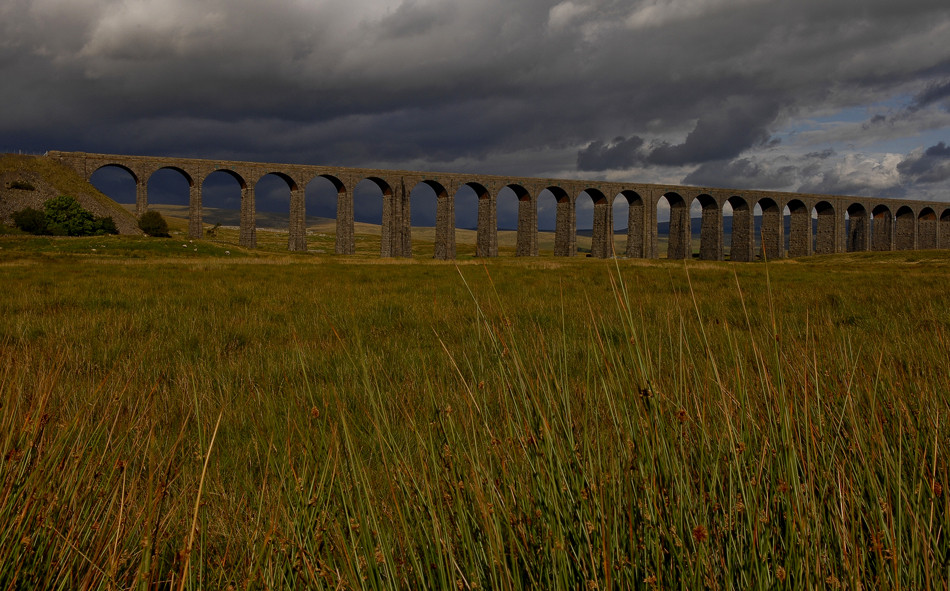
(201, 419)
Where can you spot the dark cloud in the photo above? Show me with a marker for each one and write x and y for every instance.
(934, 93)
(720, 134)
(621, 153)
(932, 166)
(742, 173)
(411, 19)
(699, 90)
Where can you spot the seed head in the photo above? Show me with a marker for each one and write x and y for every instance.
(700, 534)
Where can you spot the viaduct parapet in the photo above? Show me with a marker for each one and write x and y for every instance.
(844, 223)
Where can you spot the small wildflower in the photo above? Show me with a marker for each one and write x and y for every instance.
(700, 534)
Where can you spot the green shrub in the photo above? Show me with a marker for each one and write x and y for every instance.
(153, 224)
(106, 225)
(30, 220)
(63, 216)
(66, 217)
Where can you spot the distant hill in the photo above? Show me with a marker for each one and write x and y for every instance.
(663, 228)
(232, 217)
(29, 181)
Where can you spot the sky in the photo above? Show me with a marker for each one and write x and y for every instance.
(840, 97)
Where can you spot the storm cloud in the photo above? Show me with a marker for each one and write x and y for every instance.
(740, 92)
(931, 166)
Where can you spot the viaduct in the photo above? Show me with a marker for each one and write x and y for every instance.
(844, 223)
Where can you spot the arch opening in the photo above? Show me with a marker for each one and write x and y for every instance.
(857, 228)
(943, 236)
(272, 201)
(548, 210)
(222, 193)
(369, 198)
(275, 210)
(117, 182)
(584, 225)
(170, 186)
(172, 192)
(465, 220)
(619, 229)
(432, 217)
(321, 203)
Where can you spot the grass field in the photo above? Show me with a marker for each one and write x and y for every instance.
(188, 414)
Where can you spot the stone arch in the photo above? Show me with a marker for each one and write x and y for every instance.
(882, 228)
(772, 230)
(905, 229)
(274, 184)
(192, 199)
(554, 220)
(119, 165)
(799, 229)
(112, 179)
(927, 229)
(943, 236)
(486, 238)
(231, 173)
(248, 225)
(188, 177)
(679, 240)
(825, 230)
(710, 232)
(327, 187)
(636, 214)
(741, 246)
(395, 235)
(444, 248)
(858, 228)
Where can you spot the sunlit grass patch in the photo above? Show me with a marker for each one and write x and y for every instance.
(507, 423)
